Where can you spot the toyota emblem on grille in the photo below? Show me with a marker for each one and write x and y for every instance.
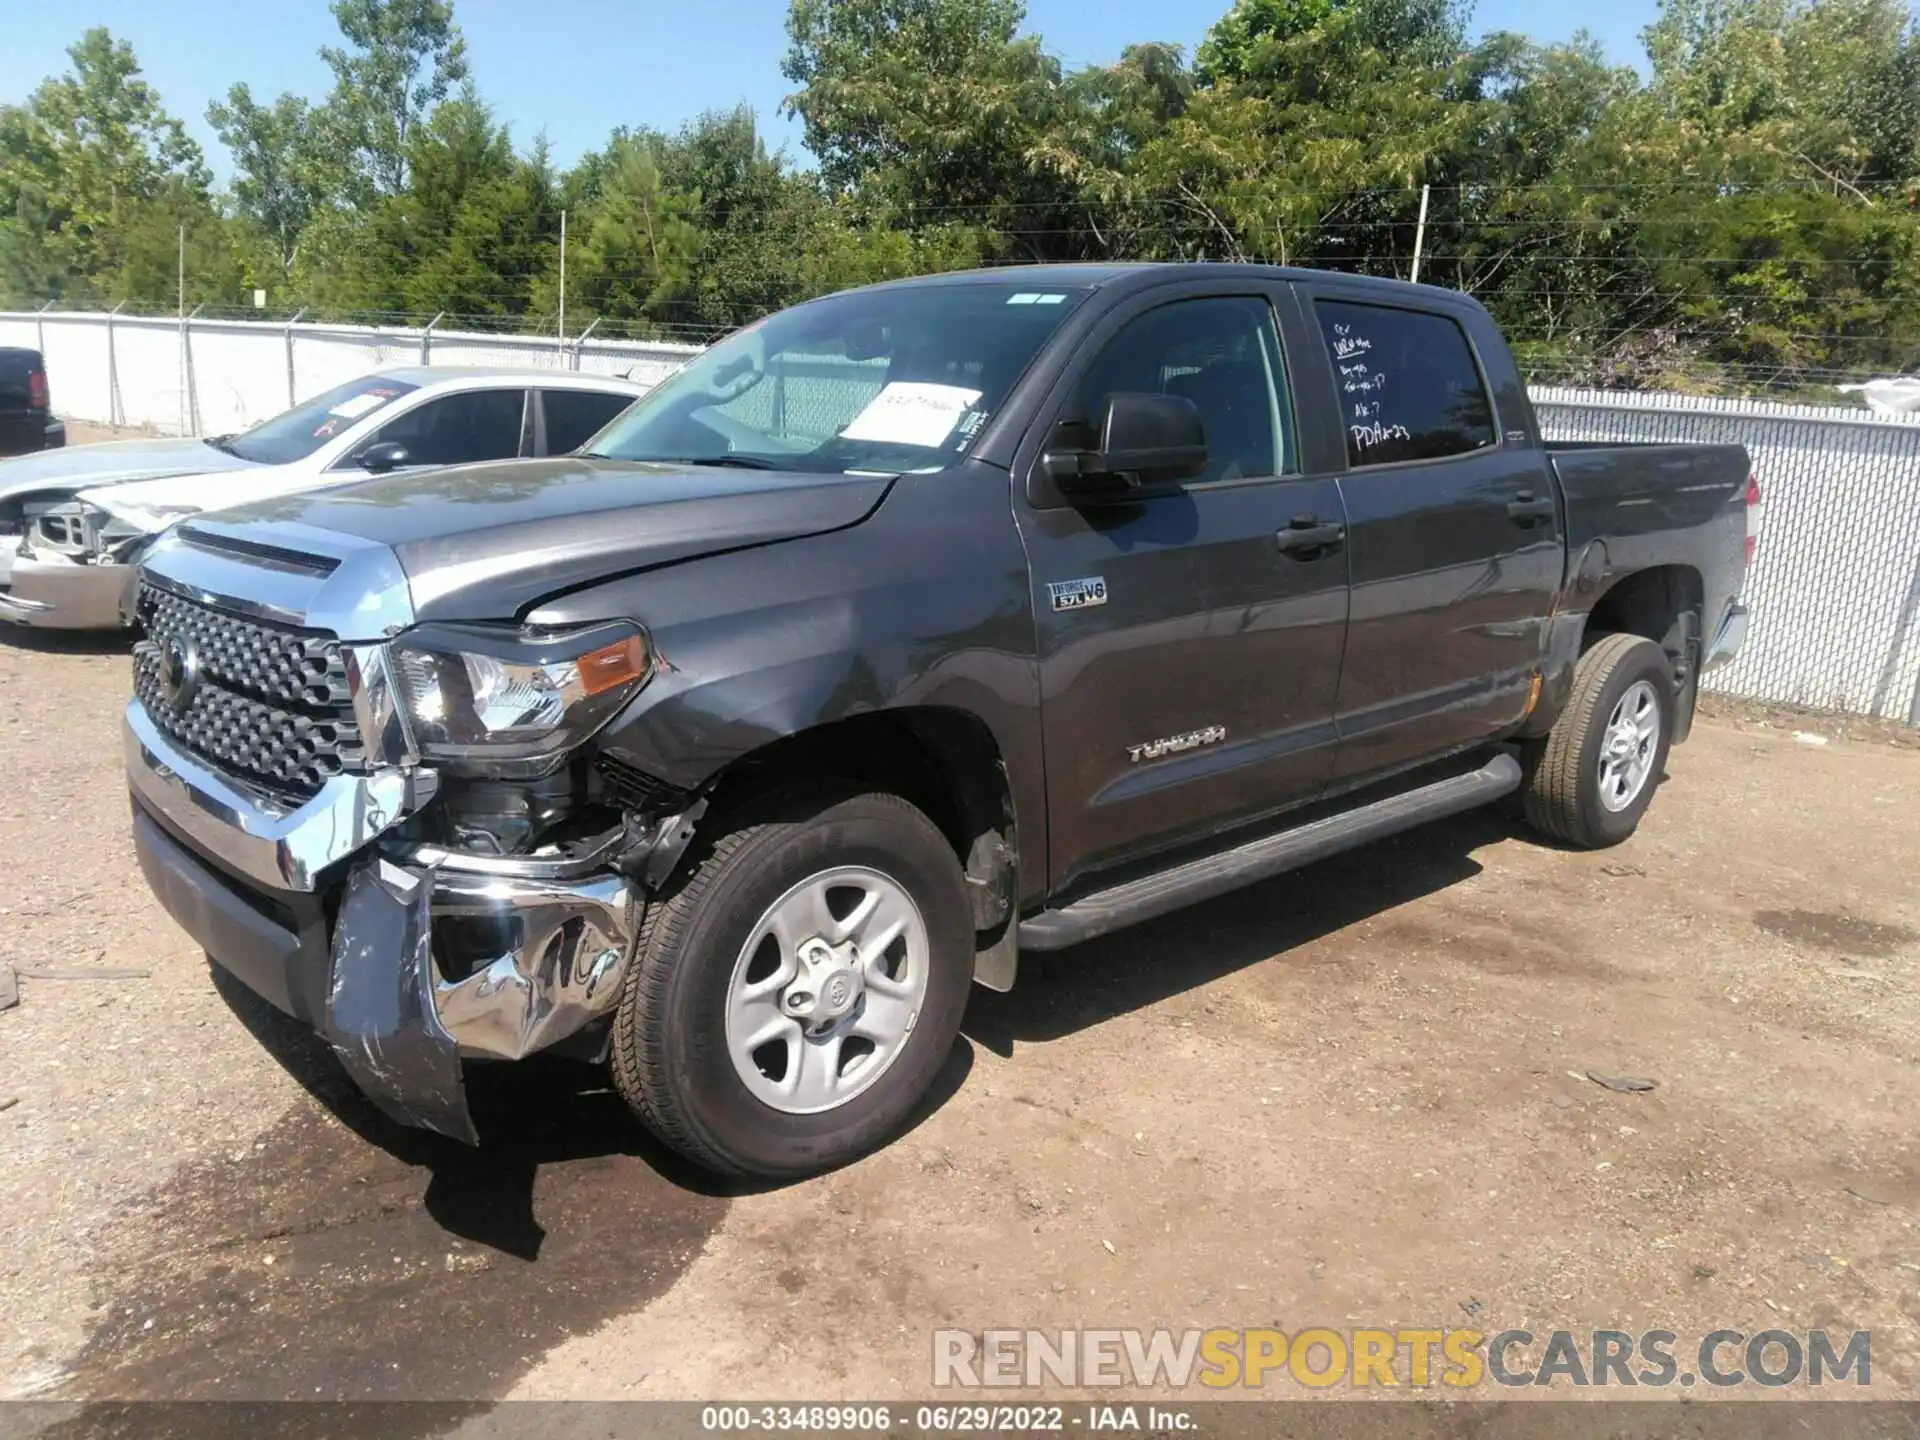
(179, 671)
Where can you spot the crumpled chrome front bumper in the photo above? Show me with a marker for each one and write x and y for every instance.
(53, 593)
(527, 953)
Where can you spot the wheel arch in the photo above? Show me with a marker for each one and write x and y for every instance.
(942, 759)
(1661, 603)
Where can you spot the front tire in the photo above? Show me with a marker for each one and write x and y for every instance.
(1592, 778)
(797, 991)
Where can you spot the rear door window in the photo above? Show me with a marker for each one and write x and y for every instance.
(1408, 383)
(575, 416)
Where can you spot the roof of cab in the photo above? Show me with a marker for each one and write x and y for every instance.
(1142, 274)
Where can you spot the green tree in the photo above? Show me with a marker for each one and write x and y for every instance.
(639, 246)
(1312, 124)
(280, 175)
(401, 59)
(938, 110)
(92, 170)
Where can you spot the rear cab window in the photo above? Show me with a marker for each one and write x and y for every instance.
(1409, 386)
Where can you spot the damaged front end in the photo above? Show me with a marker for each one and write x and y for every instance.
(401, 1027)
(427, 957)
(404, 843)
(69, 564)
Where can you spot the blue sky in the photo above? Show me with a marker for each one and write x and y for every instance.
(577, 68)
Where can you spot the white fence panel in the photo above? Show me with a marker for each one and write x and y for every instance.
(123, 370)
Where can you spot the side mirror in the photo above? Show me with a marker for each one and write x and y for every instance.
(1145, 439)
(382, 456)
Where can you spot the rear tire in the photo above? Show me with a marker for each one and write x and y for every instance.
(764, 935)
(1593, 776)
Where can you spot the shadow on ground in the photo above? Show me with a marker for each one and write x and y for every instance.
(68, 642)
(1061, 993)
(344, 1256)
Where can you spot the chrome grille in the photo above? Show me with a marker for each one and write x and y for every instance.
(274, 662)
(272, 704)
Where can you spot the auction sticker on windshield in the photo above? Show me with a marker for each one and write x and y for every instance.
(354, 406)
(911, 412)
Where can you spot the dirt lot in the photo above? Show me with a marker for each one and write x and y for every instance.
(83, 432)
(1353, 1096)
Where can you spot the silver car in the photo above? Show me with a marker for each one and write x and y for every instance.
(72, 522)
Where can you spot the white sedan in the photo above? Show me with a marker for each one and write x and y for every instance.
(72, 521)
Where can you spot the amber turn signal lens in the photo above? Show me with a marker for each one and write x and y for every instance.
(613, 665)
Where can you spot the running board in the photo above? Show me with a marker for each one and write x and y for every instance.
(1213, 875)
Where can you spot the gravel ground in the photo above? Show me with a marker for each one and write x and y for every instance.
(1352, 1096)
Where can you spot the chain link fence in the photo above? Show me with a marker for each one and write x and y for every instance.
(1835, 592)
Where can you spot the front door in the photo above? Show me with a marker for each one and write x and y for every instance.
(1189, 654)
(1453, 539)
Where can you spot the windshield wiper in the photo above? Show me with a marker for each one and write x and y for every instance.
(735, 462)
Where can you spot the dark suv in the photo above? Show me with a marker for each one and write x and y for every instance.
(27, 421)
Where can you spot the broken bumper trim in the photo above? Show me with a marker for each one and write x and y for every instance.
(380, 1018)
(401, 1029)
(64, 595)
(282, 848)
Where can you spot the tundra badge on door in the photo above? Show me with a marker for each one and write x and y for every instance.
(1174, 744)
(1078, 594)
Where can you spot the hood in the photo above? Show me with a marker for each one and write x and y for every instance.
(80, 466)
(486, 542)
(152, 504)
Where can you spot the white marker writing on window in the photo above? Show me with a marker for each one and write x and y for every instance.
(1367, 436)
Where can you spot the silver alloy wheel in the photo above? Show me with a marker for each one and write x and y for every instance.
(1627, 748)
(827, 990)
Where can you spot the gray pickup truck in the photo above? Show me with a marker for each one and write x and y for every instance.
(901, 632)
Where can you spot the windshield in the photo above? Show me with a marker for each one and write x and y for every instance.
(877, 380)
(297, 433)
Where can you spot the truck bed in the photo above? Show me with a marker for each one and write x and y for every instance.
(1654, 504)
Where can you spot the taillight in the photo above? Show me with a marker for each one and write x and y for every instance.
(1754, 511)
(37, 389)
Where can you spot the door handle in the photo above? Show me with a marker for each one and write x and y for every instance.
(1306, 538)
(1526, 510)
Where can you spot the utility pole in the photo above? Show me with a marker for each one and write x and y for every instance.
(1420, 234)
(183, 330)
(290, 324)
(562, 333)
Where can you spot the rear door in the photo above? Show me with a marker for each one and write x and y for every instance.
(1454, 539)
(1188, 662)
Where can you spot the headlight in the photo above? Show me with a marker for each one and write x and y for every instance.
(511, 704)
